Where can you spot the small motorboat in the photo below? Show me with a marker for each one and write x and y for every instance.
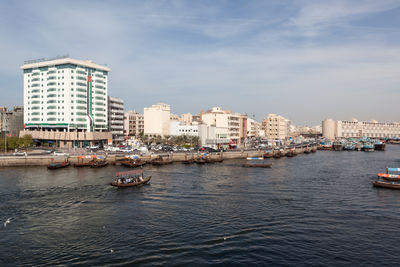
(257, 165)
(53, 165)
(130, 178)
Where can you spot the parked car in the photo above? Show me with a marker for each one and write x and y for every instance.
(20, 153)
(59, 153)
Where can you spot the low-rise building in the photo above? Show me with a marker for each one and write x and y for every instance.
(133, 124)
(12, 121)
(333, 129)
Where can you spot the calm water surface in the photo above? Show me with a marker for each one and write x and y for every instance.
(317, 209)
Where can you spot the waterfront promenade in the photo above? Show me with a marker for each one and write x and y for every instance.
(113, 158)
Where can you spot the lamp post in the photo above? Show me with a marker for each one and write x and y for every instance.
(5, 136)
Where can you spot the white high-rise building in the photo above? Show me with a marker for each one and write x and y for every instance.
(65, 95)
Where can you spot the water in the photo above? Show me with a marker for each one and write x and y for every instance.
(317, 209)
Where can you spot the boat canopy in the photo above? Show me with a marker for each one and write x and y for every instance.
(87, 157)
(256, 158)
(393, 169)
(126, 173)
(132, 156)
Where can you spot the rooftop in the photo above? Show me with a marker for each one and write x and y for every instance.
(44, 62)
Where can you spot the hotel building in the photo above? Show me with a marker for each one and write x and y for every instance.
(333, 129)
(64, 95)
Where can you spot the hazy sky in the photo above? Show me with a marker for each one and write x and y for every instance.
(305, 60)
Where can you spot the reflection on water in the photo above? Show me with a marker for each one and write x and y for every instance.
(315, 209)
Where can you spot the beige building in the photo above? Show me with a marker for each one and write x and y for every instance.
(333, 129)
(235, 123)
(186, 118)
(253, 128)
(133, 123)
(276, 127)
(157, 120)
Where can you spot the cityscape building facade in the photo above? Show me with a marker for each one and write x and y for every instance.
(12, 121)
(157, 120)
(133, 124)
(116, 119)
(65, 95)
(333, 129)
(276, 127)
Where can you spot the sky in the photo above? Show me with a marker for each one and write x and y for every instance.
(304, 60)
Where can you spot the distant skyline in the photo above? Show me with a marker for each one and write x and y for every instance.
(304, 60)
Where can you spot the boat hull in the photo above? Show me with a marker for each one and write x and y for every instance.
(257, 165)
(386, 185)
(58, 165)
(145, 181)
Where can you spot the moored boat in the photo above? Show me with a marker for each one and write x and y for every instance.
(188, 161)
(133, 164)
(257, 165)
(337, 146)
(391, 185)
(368, 147)
(99, 164)
(380, 146)
(53, 165)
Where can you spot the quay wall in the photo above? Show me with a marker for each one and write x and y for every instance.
(44, 160)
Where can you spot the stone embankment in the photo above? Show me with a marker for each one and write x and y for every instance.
(44, 160)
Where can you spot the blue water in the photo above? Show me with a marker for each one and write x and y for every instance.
(316, 209)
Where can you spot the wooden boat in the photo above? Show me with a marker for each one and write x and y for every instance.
(99, 164)
(188, 161)
(133, 164)
(121, 176)
(200, 161)
(53, 166)
(390, 185)
(380, 146)
(389, 177)
(257, 165)
(82, 164)
(218, 160)
(269, 154)
(289, 154)
(81, 161)
(161, 161)
(277, 155)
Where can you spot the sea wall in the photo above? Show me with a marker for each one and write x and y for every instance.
(44, 160)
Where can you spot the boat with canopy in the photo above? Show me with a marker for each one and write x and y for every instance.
(130, 178)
